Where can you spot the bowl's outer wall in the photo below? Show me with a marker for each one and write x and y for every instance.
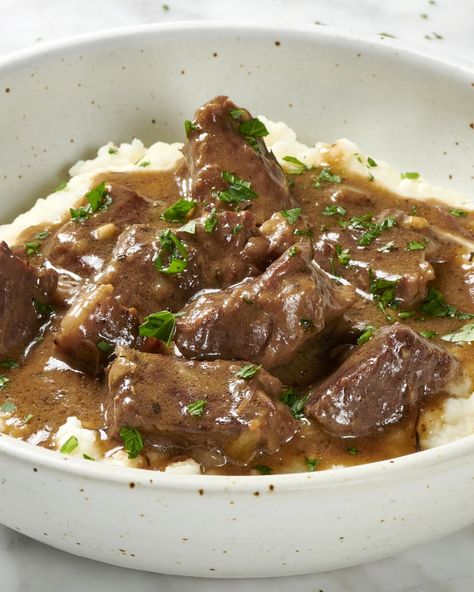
(57, 107)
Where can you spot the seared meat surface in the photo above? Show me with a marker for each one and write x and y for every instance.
(223, 140)
(266, 320)
(186, 404)
(25, 297)
(380, 381)
(94, 326)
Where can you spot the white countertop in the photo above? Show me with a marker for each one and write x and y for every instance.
(442, 27)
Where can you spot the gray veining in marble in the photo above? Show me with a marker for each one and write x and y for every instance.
(438, 27)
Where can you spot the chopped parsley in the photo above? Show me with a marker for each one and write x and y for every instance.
(382, 290)
(159, 325)
(113, 150)
(237, 228)
(293, 251)
(189, 127)
(105, 347)
(27, 418)
(412, 176)
(297, 167)
(371, 162)
(8, 407)
(334, 210)
(32, 248)
(41, 235)
(144, 164)
(211, 222)
(463, 334)
(326, 176)
(43, 310)
(9, 364)
(300, 232)
(312, 463)
(366, 335)
(60, 187)
(429, 334)
(458, 213)
(307, 324)
(373, 230)
(264, 470)
(296, 403)
(406, 314)
(238, 191)
(435, 305)
(252, 129)
(343, 255)
(176, 252)
(132, 441)
(353, 450)
(179, 210)
(236, 113)
(415, 245)
(69, 446)
(196, 408)
(98, 199)
(248, 371)
(87, 457)
(291, 215)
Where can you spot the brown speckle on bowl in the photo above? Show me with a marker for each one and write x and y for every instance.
(201, 491)
(277, 43)
(35, 470)
(7, 90)
(471, 125)
(271, 487)
(214, 55)
(183, 71)
(256, 493)
(131, 484)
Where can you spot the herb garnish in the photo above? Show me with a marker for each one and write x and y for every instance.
(291, 215)
(211, 222)
(334, 210)
(252, 129)
(411, 176)
(343, 255)
(366, 335)
(179, 210)
(87, 457)
(160, 325)
(237, 228)
(415, 245)
(371, 162)
(312, 463)
(43, 310)
(189, 127)
(41, 235)
(98, 199)
(383, 291)
(373, 230)
(248, 371)
(307, 324)
(145, 163)
(26, 419)
(463, 334)
(132, 440)
(69, 446)
(32, 248)
(293, 251)
(9, 364)
(326, 176)
(105, 347)
(353, 450)
(296, 403)
(113, 150)
(60, 187)
(300, 232)
(435, 305)
(176, 251)
(429, 334)
(236, 113)
(264, 470)
(8, 407)
(297, 167)
(458, 213)
(238, 191)
(197, 407)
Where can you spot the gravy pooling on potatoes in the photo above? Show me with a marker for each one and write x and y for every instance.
(285, 280)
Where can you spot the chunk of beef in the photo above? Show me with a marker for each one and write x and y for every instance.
(216, 145)
(380, 381)
(83, 246)
(94, 325)
(401, 253)
(137, 282)
(267, 319)
(156, 394)
(25, 295)
(281, 233)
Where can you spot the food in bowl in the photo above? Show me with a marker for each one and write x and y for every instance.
(241, 304)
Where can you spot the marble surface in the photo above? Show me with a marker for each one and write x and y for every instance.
(438, 27)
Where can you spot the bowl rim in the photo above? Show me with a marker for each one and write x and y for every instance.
(37, 456)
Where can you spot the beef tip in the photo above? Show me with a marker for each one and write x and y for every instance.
(401, 253)
(380, 381)
(94, 325)
(265, 320)
(216, 146)
(282, 231)
(25, 296)
(137, 282)
(82, 245)
(187, 404)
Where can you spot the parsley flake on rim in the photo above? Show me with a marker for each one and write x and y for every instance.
(98, 199)
(264, 469)
(297, 167)
(292, 215)
(69, 446)
(159, 325)
(412, 176)
(175, 251)
(132, 441)
(312, 463)
(238, 191)
(179, 210)
(196, 408)
(60, 187)
(248, 371)
(353, 450)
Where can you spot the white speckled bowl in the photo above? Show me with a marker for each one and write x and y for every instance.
(59, 102)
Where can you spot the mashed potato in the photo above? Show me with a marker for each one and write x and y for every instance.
(456, 419)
